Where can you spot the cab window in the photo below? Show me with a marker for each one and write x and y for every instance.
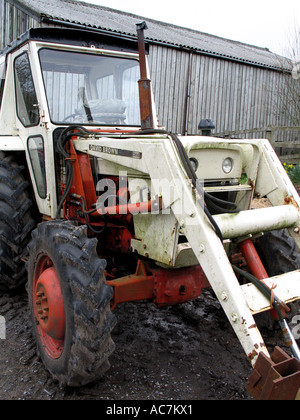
(27, 103)
(36, 152)
(94, 89)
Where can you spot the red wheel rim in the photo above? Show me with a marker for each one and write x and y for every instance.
(48, 307)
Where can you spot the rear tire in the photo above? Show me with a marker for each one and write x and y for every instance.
(16, 223)
(279, 254)
(72, 321)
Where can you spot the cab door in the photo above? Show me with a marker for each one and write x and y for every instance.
(33, 131)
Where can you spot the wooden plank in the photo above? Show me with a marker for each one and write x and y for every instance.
(290, 159)
(287, 144)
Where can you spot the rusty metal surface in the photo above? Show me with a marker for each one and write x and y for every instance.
(147, 120)
(163, 287)
(276, 378)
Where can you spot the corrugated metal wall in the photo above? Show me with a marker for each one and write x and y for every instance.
(14, 22)
(189, 87)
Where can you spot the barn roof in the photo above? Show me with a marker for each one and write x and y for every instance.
(70, 12)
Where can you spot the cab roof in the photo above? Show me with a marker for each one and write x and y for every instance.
(76, 37)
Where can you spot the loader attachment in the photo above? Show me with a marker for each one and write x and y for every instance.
(275, 378)
(183, 212)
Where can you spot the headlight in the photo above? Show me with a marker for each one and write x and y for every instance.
(227, 165)
(194, 163)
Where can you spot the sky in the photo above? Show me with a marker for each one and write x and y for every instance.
(264, 23)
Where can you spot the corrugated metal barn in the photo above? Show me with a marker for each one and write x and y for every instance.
(195, 75)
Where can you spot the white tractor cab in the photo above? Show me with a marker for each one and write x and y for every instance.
(49, 81)
(87, 179)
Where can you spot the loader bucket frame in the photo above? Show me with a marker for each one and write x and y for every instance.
(275, 378)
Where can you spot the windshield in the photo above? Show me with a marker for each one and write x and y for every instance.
(91, 89)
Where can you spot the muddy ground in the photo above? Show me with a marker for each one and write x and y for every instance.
(188, 352)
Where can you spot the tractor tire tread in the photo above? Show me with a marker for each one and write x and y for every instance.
(89, 299)
(16, 223)
(280, 252)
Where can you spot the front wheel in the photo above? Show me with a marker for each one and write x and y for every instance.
(69, 303)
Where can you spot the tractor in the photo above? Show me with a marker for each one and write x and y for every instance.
(99, 205)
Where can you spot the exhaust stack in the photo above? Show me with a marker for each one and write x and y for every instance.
(145, 92)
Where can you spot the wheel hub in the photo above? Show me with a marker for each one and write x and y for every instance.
(49, 304)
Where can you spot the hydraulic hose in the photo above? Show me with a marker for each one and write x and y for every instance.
(277, 303)
(64, 137)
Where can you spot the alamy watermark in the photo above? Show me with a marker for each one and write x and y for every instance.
(158, 196)
(2, 328)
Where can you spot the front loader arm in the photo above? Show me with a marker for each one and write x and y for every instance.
(207, 247)
(272, 378)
